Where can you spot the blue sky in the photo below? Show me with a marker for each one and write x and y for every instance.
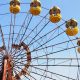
(69, 9)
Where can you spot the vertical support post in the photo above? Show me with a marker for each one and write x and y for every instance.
(9, 71)
(5, 70)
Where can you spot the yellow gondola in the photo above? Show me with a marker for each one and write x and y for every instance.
(15, 6)
(35, 7)
(72, 28)
(72, 31)
(55, 15)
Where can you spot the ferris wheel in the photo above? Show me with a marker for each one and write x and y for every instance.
(36, 43)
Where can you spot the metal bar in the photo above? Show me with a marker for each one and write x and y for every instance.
(2, 36)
